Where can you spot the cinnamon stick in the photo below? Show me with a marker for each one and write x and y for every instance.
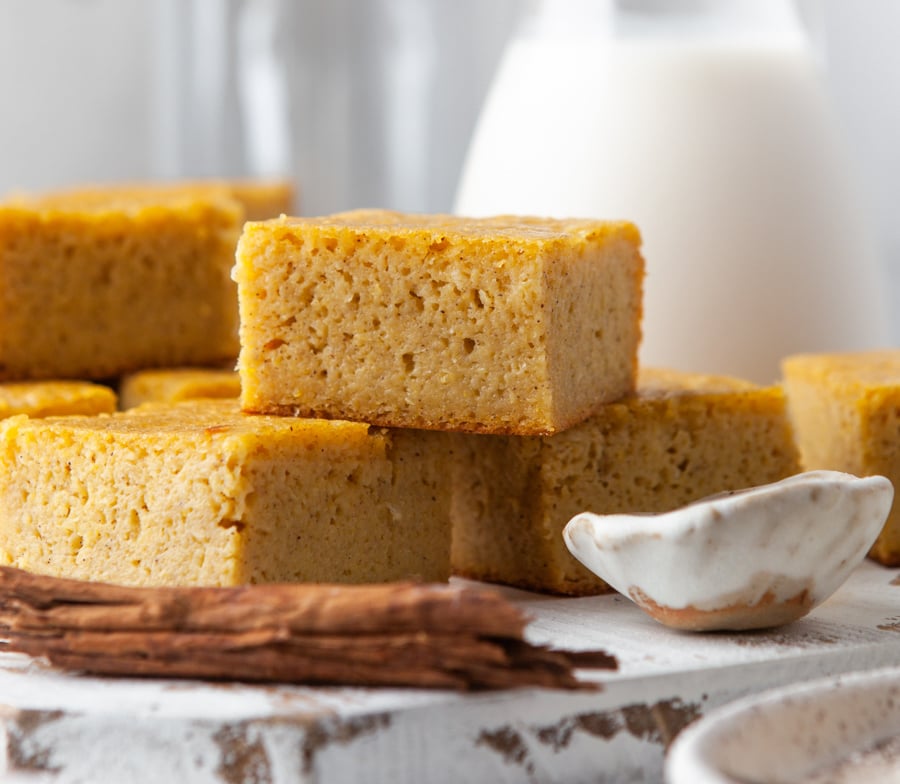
(398, 634)
(301, 607)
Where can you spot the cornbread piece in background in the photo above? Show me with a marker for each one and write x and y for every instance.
(259, 198)
(506, 325)
(679, 438)
(197, 493)
(96, 285)
(846, 413)
(55, 398)
(172, 385)
(262, 199)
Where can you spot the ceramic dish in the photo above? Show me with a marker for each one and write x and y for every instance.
(749, 559)
(842, 730)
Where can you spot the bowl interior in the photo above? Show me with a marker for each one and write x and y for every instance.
(791, 735)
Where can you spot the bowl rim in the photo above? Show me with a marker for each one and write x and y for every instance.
(627, 527)
(691, 760)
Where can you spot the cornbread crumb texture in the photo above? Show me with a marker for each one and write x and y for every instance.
(679, 438)
(96, 284)
(197, 493)
(513, 325)
(55, 398)
(176, 384)
(846, 411)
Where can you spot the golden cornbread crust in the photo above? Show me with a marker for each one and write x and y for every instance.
(846, 412)
(100, 285)
(55, 398)
(259, 199)
(679, 438)
(197, 493)
(501, 325)
(172, 385)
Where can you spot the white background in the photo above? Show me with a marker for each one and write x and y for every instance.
(96, 90)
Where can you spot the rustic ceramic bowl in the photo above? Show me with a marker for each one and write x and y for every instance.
(839, 730)
(749, 559)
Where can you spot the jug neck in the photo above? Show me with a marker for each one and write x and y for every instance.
(731, 20)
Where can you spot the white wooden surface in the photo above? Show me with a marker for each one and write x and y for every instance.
(66, 728)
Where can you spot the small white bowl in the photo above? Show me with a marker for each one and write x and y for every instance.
(837, 730)
(748, 559)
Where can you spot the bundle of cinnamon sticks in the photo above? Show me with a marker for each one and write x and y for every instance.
(397, 634)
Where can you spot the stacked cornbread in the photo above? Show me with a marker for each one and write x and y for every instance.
(512, 325)
(72, 309)
(129, 282)
(101, 282)
(199, 493)
(678, 438)
(401, 377)
(518, 335)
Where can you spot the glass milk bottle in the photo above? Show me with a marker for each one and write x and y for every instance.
(705, 122)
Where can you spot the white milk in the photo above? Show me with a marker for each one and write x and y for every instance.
(725, 155)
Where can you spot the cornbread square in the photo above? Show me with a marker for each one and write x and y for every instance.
(502, 325)
(679, 438)
(98, 285)
(197, 493)
(55, 398)
(846, 412)
(172, 385)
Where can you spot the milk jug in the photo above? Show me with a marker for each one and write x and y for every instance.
(706, 123)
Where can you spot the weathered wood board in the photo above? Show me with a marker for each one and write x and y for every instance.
(66, 728)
